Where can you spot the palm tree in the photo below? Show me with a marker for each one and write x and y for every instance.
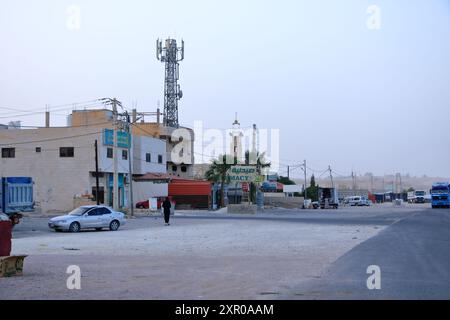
(257, 159)
(218, 172)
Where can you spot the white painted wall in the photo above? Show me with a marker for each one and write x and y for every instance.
(155, 147)
(143, 190)
(107, 164)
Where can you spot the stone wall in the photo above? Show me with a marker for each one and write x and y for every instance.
(242, 208)
(283, 202)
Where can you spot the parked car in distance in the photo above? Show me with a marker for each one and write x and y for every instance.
(143, 204)
(315, 204)
(359, 201)
(88, 217)
(146, 203)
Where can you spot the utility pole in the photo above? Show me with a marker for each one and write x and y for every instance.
(304, 170)
(304, 166)
(288, 173)
(353, 182)
(331, 176)
(114, 103)
(115, 158)
(97, 187)
(130, 166)
(371, 182)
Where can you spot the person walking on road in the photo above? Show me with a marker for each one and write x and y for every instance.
(167, 205)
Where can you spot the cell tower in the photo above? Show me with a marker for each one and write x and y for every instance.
(171, 54)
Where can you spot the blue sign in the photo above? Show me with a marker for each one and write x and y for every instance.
(108, 138)
(123, 138)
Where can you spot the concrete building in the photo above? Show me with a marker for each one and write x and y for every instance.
(149, 155)
(179, 146)
(200, 169)
(179, 153)
(61, 160)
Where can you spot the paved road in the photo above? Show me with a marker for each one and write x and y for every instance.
(413, 255)
(378, 215)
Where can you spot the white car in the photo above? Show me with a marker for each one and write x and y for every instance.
(359, 201)
(88, 217)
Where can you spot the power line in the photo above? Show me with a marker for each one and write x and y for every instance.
(325, 171)
(69, 106)
(52, 106)
(78, 126)
(51, 139)
(341, 175)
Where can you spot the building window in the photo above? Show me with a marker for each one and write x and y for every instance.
(174, 168)
(38, 150)
(109, 153)
(66, 152)
(183, 169)
(160, 159)
(148, 157)
(8, 152)
(124, 155)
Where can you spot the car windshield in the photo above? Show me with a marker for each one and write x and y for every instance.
(79, 211)
(420, 193)
(439, 189)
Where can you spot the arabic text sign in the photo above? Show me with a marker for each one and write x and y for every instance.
(242, 174)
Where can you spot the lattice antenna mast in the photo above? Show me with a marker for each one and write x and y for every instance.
(171, 54)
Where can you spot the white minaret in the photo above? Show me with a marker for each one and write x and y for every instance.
(236, 141)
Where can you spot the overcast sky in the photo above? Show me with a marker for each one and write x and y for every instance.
(342, 94)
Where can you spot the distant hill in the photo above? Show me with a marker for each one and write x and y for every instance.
(366, 182)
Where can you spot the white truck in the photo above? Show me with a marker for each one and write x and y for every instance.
(418, 196)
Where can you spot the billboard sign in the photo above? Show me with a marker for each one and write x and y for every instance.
(272, 177)
(242, 174)
(292, 188)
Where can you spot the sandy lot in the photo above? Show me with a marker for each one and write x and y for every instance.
(191, 259)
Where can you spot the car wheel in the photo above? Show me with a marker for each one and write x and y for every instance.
(98, 229)
(74, 227)
(114, 225)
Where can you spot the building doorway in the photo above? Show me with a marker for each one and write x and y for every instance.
(101, 194)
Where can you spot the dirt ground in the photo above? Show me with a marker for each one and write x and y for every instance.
(193, 258)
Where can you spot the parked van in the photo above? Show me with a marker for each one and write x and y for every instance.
(359, 201)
